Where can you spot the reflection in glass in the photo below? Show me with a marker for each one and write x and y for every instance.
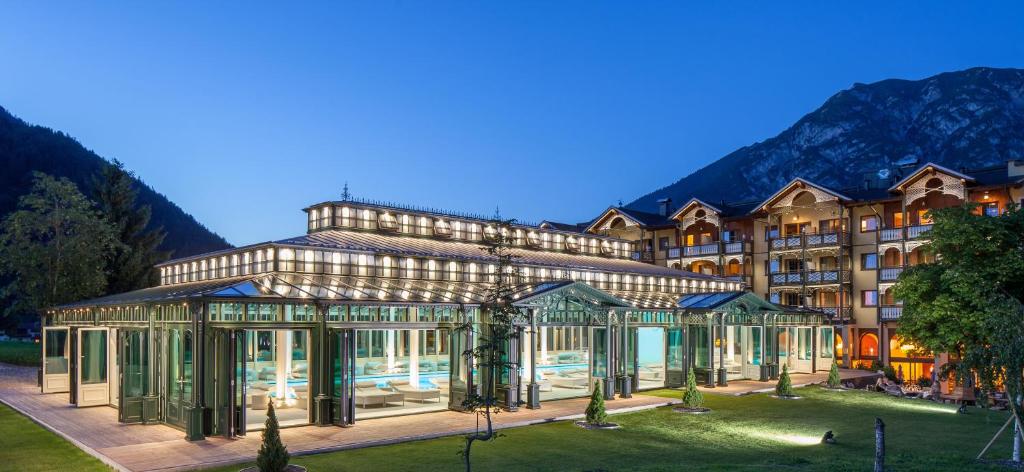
(56, 351)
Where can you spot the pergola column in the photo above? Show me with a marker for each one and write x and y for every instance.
(609, 364)
(763, 344)
(722, 339)
(846, 346)
(625, 382)
(710, 381)
(533, 388)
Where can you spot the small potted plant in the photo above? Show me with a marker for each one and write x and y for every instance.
(693, 400)
(595, 415)
(784, 389)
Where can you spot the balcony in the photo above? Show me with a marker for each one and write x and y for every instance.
(898, 234)
(809, 241)
(811, 277)
(889, 274)
(710, 249)
(834, 313)
(643, 256)
(889, 312)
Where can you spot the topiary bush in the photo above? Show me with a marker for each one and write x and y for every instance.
(833, 376)
(692, 398)
(595, 410)
(273, 455)
(785, 386)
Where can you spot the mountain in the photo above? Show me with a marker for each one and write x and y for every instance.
(962, 120)
(25, 148)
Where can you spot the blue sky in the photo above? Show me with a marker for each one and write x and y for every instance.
(244, 113)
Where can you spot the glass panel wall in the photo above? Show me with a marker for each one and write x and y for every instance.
(56, 351)
(563, 359)
(94, 357)
(401, 371)
(277, 369)
(650, 357)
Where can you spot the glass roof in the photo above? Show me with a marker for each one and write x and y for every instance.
(707, 300)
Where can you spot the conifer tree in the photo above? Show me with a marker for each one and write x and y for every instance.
(833, 375)
(273, 455)
(692, 398)
(595, 410)
(133, 264)
(785, 386)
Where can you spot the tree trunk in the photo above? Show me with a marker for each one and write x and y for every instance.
(879, 445)
(1016, 442)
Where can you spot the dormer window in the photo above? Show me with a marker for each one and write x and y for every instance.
(387, 221)
(532, 238)
(442, 228)
(490, 233)
(572, 244)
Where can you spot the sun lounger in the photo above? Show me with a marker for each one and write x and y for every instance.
(367, 393)
(414, 393)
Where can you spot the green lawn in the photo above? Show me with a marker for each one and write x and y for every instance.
(754, 432)
(19, 353)
(26, 446)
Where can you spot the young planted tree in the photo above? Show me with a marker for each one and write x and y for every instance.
(785, 386)
(53, 248)
(494, 331)
(273, 455)
(692, 398)
(595, 413)
(968, 302)
(833, 375)
(132, 265)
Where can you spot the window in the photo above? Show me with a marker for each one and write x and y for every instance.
(868, 261)
(897, 220)
(990, 209)
(663, 243)
(868, 223)
(869, 298)
(771, 232)
(728, 236)
(828, 226)
(924, 217)
(825, 346)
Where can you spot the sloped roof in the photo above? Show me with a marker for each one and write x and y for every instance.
(799, 180)
(928, 166)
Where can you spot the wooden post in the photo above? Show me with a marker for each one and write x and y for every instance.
(879, 445)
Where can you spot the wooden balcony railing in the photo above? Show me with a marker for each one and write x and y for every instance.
(810, 240)
(834, 313)
(890, 274)
(890, 234)
(811, 277)
(917, 231)
(710, 249)
(643, 256)
(898, 234)
(890, 312)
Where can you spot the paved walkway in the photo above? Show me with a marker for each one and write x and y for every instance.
(746, 387)
(162, 448)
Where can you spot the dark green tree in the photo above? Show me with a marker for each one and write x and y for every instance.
(494, 330)
(692, 398)
(785, 386)
(968, 303)
(273, 455)
(132, 265)
(595, 413)
(53, 248)
(833, 375)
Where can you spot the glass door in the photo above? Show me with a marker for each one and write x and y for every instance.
(343, 365)
(675, 374)
(55, 360)
(93, 386)
(133, 348)
(178, 375)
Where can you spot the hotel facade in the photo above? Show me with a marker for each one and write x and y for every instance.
(360, 317)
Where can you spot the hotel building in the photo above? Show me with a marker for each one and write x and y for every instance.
(360, 317)
(839, 251)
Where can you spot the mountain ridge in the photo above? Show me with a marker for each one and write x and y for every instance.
(25, 148)
(961, 119)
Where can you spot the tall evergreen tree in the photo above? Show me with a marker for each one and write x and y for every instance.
(692, 398)
(785, 386)
(53, 249)
(595, 412)
(132, 265)
(273, 455)
(833, 375)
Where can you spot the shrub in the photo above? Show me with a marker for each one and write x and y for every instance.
(273, 455)
(692, 398)
(833, 376)
(877, 365)
(785, 386)
(924, 382)
(890, 373)
(595, 410)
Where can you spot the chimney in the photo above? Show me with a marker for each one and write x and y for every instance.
(664, 207)
(1014, 168)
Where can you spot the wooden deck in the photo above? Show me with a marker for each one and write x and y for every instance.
(162, 448)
